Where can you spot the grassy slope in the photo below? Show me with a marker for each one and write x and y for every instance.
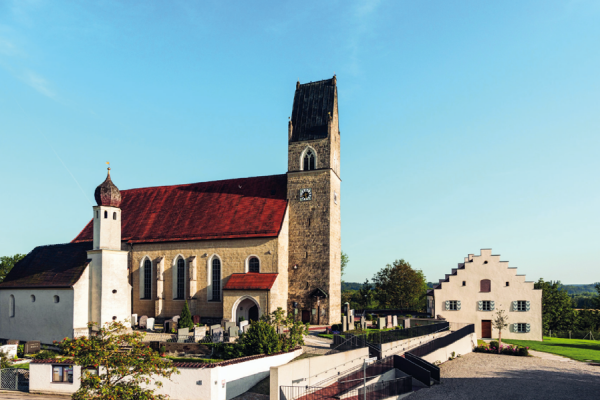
(576, 349)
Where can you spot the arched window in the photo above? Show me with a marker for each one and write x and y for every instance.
(11, 306)
(56, 299)
(33, 298)
(309, 160)
(253, 264)
(180, 279)
(105, 214)
(485, 285)
(115, 216)
(147, 279)
(216, 279)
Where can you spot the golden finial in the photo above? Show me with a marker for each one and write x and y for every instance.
(108, 163)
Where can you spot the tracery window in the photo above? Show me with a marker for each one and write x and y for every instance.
(309, 160)
(216, 279)
(147, 279)
(253, 264)
(180, 279)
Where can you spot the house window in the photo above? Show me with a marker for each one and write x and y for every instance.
(216, 279)
(11, 306)
(105, 214)
(485, 286)
(486, 305)
(180, 279)
(452, 305)
(62, 373)
(147, 279)
(253, 265)
(309, 160)
(521, 305)
(521, 328)
(464, 283)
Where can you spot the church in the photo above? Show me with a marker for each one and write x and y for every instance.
(232, 249)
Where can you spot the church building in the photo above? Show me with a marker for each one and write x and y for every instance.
(232, 249)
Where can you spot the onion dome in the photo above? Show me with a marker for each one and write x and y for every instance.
(107, 194)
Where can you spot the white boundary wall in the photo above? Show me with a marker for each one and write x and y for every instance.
(461, 346)
(219, 383)
(311, 371)
(401, 346)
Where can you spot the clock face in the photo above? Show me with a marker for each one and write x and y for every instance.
(305, 194)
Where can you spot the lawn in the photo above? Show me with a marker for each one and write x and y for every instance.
(577, 349)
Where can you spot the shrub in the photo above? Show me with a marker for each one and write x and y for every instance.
(524, 351)
(336, 327)
(409, 316)
(261, 338)
(46, 355)
(369, 317)
(186, 318)
(494, 343)
(4, 362)
(21, 350)
(241, 318)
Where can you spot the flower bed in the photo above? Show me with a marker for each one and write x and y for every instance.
(509, 350)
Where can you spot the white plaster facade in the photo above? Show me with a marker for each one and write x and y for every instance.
(506, 288)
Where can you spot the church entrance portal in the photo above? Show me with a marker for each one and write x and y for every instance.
(305, 316)
(253, 313)
(246, 308)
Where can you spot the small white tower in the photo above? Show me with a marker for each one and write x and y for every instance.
(110, 291)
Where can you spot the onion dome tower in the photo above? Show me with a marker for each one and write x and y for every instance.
(107, 194)
(107, 216)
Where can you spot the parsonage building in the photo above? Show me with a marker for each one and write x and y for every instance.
(233, 248)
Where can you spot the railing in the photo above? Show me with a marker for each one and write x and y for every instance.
(381, 390)
(443, 341)
(416, 371)
(433, 370)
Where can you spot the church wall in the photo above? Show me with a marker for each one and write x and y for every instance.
(335, 272)
(42, 320)
(232, 252)
(230, 298)
(81, 297)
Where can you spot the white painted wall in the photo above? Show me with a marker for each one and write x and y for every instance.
(469, 295)
(461, 346)
(40, 380)
(81, 298)
(107, 231)
(42, 320)
(315, 369)
(400, 346)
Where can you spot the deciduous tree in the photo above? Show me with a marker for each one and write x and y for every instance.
(557, 306)
(400, 286)
(500, 322)
(7, 263)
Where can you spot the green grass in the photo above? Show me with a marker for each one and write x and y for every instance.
(577, 349)
(481, 342)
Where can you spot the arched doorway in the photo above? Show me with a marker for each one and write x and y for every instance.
(247, 308)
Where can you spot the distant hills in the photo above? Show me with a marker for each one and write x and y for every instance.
(571, 289)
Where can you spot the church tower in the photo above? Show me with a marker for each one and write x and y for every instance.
(110, 292)
(314, 204)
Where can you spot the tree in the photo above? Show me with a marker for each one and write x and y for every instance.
(400, 286)
(7, 263)
(597, 297)
(557, 306)
(500, 322)
(365, 293)
(261, 338)
(185, 321)
(344, 259)
(124, 363)
(295, 330)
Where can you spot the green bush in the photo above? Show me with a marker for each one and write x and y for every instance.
(21, 350)
(185, 321)
(261, 338)
(523, 351)
(494, 343)
(46, 355)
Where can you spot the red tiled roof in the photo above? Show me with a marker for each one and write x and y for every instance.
(250, 281)
(59, 265)
(53, 361)
(235, 208)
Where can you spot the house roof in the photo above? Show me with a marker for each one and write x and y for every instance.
(57, 266)
(313, 103)
(228, 209)
(250, 281)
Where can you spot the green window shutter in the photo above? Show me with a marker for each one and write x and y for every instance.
(447, 304)
(527, 306)
(528, 328)
(480, 304)
(515, 327)
(492, 306)
(458, 305)
(515, 305)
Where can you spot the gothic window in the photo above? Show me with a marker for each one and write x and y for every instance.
(309, 160)
(253, 265)
(485, 285)
(216, 279)
(147, 279)
(11, 306)
(180, 279)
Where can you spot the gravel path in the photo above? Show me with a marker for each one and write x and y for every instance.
(489, 376)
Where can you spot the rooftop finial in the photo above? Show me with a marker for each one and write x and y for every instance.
(298, 84)
(108, 163)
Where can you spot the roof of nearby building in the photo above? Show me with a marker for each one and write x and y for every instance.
(228, 209)
(58, 266)
(54, 361)
(313, 104)
(250, 281)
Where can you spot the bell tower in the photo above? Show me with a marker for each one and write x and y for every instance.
(313, 194)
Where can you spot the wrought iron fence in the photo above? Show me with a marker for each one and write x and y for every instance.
(380, 337)
(443, 341)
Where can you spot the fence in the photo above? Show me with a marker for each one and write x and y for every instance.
(381, 390)
(443, 341)
(588, 335)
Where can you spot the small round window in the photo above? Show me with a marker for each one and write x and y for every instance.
(33, 298)
(56, 299)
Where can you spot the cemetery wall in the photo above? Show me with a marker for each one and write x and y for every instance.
(42, 319)
(400, 346)
(462, 346)
(311, 371)
(40, 380)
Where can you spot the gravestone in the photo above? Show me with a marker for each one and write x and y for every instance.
(350, 323)
(196, 319)
(200, 333)
(229, 325)
(389, 322)
(363, 325)
(10, 350)
(134, 320)
(344, 323)
(214, 328)
(243, 324)
(33, 346)
(245, 328)
(150, 324)
(143, 322)
(183, 332)
(395, 321)
(176, 318)
(381, 323)
(217, 335)
(233, 331)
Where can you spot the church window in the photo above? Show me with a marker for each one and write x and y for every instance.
(105, 214)
(216, 279)
(180, 279)
(56, 299)
(147, 279)
(253, 265)
(11, 306)
(115, 216)
(33, 298)
(309, 160)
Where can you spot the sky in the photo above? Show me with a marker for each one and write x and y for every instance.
(464, 124)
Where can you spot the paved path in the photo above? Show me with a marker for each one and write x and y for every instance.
(316, 345)
(9, 395)
(491, 376)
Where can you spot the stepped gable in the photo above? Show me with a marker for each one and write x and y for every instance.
(313, 107)
(228, 209)
(55, 266)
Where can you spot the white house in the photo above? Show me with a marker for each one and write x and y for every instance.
(479, 287)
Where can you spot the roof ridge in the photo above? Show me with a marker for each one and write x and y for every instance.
(196, 183)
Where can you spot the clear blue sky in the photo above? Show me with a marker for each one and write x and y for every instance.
(465, 124)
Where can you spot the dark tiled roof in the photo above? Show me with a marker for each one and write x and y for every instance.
(313, 103)
(59, 265)
(250, 281)
(235, 208)
(53, 361)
